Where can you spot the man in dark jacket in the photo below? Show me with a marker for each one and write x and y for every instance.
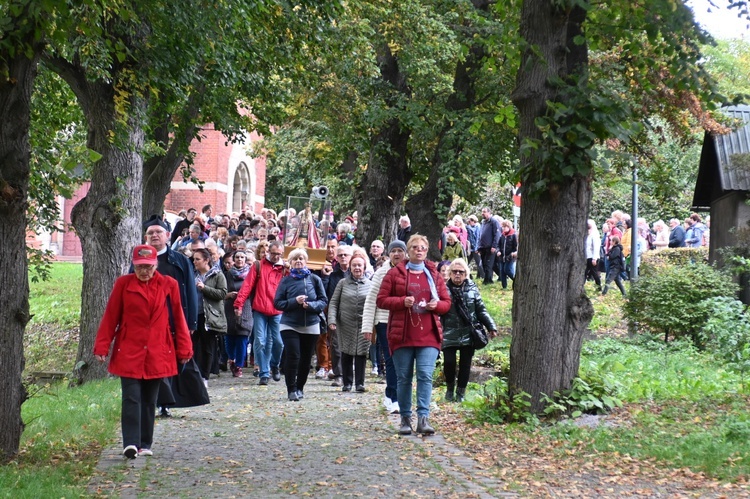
(489, 240)
(177, 266)
(676, 234)
(182, 225)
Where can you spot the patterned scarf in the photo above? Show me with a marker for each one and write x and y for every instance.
(300, 273)
(239, 274)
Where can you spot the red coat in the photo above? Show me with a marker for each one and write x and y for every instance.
(391, 297)
(266, 284)
(137, 319)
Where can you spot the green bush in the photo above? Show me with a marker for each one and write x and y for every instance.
(494, 404)
(665, 298)
(592, 393)
(726, 333)
(672, 256)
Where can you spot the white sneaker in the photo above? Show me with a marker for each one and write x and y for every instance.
(321, 374)
(374, 371)
(394, 407)
(145, 452)
(205, 382)
(387, 404)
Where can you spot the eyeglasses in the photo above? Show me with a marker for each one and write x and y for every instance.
(458, 272)
(419, 248)
(274, 253)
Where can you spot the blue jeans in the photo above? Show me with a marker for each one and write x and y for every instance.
(404, 360)
(267, 344)
(391, 379)
(236, 347)
(507, 269)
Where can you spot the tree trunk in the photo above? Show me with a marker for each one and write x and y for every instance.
(159, 171)
(550, 308)
(388, 175)
(108, 219)
(15, 109)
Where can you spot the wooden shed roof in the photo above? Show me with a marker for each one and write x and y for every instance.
(718, 172)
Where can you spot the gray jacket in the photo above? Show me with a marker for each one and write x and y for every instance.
(345, 311)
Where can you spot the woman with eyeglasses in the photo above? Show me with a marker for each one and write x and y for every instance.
(466, 302)
(416, 296)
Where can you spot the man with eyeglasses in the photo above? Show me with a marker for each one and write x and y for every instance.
(341, 270)
(261, 289)
(177, 266)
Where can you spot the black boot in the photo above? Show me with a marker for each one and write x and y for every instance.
(423, 426)
(449, 395)
(405, 428)
(460, 392)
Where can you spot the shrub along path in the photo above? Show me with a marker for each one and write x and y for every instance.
(250, 441)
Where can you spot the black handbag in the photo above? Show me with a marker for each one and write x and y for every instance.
(188, 388)
(478, 336)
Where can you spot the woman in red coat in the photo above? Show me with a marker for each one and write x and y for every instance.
(144, 350)
(416, 295)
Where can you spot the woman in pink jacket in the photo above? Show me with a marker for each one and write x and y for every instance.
(146, 348)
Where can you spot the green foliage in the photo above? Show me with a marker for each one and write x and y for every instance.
(647, 369)
(65, 432)
(653, 261)
(592, 394)
(495, 404)
(726, 333)
(664, 298)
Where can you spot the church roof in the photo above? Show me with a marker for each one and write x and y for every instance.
(719, 171)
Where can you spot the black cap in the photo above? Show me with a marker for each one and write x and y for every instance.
(155, 220)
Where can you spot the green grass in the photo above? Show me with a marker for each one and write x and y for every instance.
(66, 429)
(682, 408)
(58, 300)
(51, 339)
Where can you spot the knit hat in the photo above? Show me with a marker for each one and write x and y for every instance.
(155, 220)
(144, 255)
(397, 244)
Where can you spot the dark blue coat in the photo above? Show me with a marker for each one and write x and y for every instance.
(294, 314)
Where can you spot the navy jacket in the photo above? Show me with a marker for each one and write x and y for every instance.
(677, 237)
(294, 314)
(489, 236)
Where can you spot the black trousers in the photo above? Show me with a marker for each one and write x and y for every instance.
(488, 264)
(593, 271)
(138, 411)
(204, 347)
(353, 366)
(464, 365)
(299, 349)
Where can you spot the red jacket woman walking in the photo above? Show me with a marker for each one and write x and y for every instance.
(145, 349)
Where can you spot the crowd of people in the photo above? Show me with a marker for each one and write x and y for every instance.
(218, 289)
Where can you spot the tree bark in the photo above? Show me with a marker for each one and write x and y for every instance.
(108, 219)
(384, 183)
(550, 308)
(159, 171)
(15, 153)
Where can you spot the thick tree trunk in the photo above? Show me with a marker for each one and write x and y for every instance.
(108, 219)
(550, 309)
(384, 183)
(15, 116)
